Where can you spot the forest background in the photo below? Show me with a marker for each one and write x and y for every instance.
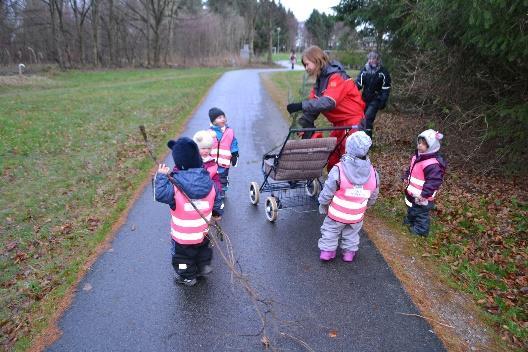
(457, 66)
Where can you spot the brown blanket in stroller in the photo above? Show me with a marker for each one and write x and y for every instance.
(300, 159)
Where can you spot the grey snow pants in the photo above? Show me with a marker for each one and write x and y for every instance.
(331, 230)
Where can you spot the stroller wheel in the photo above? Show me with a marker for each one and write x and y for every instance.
(272, 209)
(313, 188)
(254, 193)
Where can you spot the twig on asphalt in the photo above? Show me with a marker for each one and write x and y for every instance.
(426, 318)
(304, 344)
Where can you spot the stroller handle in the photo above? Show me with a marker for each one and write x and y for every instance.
(315, 129)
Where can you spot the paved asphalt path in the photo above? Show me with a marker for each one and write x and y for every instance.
(133, 304)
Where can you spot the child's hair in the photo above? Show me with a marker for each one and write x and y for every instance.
(422, 139)
(316, 55)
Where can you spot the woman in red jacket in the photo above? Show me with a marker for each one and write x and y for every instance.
(334, 94)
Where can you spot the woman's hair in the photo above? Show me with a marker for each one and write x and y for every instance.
(316, 55)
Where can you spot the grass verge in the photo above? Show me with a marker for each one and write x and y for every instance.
(71, 157)
(479, 240)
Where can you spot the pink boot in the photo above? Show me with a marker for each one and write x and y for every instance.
(327, 255)
(348, 256)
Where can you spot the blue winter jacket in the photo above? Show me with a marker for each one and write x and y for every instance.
(196, 183)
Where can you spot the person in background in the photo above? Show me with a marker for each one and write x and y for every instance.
(293, 59)
(422, 180)
(225, 146)
(375, 83)
(191, 254)
(351, 187)
(334, 95)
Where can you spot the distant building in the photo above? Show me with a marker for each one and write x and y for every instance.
(300, 43)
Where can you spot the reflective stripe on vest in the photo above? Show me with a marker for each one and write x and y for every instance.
(221, 152)
(350, 201)
(417, 177)
(187, 226)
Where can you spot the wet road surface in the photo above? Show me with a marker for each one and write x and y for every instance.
(133, 304)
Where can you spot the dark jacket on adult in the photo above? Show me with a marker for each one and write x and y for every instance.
(375, 84)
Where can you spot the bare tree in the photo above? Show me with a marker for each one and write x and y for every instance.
(80, 10)
(248, 10)
(95, 31)
(55, 7)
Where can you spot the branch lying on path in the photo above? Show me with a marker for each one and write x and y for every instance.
(304, 344)
(421, 316)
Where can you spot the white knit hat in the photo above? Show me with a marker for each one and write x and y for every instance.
(203, 139)
(358, 144)
(432, 138)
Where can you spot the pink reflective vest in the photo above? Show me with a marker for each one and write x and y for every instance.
(221, 151)
(417, 178)
(212, 169)
(187, 226)
(350, 201)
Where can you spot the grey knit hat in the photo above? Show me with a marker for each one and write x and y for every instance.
(358, 144)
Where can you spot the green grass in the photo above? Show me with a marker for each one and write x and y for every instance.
(285, 56)
(71, 156)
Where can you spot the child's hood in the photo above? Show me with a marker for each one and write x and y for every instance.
(356, 170)
(196, 182)
(219, 129)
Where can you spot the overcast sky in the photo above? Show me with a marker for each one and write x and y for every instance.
(303, 8)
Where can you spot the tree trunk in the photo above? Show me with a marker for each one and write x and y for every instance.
(57, 49)
(95, 25)
(111, 48)
(270, 37)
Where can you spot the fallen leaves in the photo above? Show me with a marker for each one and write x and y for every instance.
(92, 223)
(480, 230)
(265, 341)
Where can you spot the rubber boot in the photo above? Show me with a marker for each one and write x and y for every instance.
(327, 255)
(348, 256)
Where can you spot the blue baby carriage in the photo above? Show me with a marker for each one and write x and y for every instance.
(293, 173)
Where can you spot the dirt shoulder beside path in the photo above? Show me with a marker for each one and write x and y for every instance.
(452, 314)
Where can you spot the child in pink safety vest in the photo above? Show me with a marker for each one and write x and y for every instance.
(191, 254)
(422, 181)
(351, 187)
(205, 139)
(225, 146)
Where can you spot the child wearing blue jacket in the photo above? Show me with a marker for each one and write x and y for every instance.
(191, 254)
(225, 146)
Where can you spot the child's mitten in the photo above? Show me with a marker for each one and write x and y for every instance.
(234, 158)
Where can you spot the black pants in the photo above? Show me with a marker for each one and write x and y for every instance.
(370, 114)
(188, 260)
(418, 218)
(224, 179)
